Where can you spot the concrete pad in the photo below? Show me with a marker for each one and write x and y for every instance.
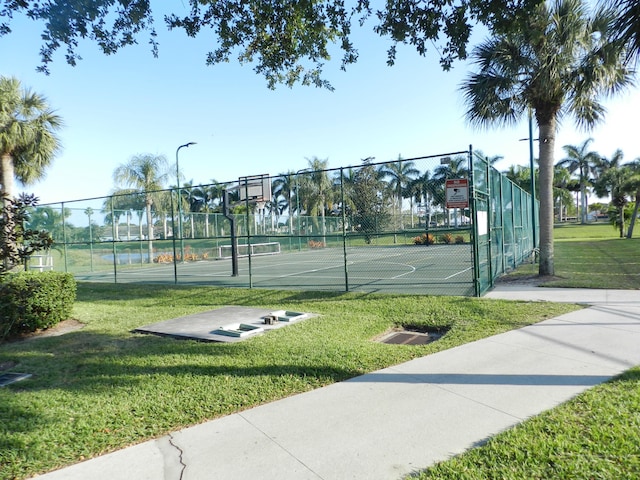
(351, 429)
(208, 326)
(587, 335)
(231, 448)
(564, 295)
(145, 461)
(519, 382)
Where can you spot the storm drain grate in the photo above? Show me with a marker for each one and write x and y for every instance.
(410, 338)
(8, 378)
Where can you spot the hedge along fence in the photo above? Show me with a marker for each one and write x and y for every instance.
(30, 301)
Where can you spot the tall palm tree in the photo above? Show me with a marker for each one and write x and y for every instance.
(491, 160)
(401, 173)
(28, 141)
(344, 181)
(145, 173)
(204, 197)
(559, 61)
(192, 201)
(615, 182)
(283, 186)
(605, 163)
(632, 185)
(520, 175)
(425, 189)
(319, 189)
(561, 193)
(579, 160)
(627, 26)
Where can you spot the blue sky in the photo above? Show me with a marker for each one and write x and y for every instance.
(130, 103)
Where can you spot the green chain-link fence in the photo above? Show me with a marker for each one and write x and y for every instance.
(387, 227)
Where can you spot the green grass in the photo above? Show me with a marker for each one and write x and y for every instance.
(102, 388)
(591, 256)
(594, 436)
(590, 231)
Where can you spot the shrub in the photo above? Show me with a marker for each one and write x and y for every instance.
(424, 239)
(459, 239)
(17, 242)
(446, 238)
(30, 301)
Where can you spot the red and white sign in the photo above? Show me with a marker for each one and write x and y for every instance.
(457, 193)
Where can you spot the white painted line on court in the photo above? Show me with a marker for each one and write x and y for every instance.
(459, 273)
(413, 269)
(307, 271)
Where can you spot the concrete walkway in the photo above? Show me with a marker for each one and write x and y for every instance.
(390, 423)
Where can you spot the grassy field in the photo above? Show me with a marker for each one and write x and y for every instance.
(591, 256)
(102, 388)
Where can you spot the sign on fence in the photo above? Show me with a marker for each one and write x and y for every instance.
(457, 193)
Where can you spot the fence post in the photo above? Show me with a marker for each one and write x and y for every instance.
(64, 237)
(248, 226)
(475, 247)
(113, 243)
(344, 231)
(173, 239)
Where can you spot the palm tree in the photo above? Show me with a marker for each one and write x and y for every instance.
(204, 196)
(145, 173)
(632, 185)
(559, 61)
(28, 142)
(520, 176)
(561, 193)
(344, 181)
(319, 189)
(401, 174)
(579, 160)
(615, 183)
(490, 160)
(425, 189)
(192, 201)
(282, 186)
(627, 26)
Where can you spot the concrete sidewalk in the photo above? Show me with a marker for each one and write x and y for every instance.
(390, 423)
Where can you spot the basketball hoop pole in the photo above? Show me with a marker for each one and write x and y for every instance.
(234, 240)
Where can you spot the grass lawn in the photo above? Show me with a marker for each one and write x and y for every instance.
(591, 256)
(103, 387)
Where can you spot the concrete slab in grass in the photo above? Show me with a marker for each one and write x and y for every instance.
(216, 325)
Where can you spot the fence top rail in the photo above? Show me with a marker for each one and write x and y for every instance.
(129, 193)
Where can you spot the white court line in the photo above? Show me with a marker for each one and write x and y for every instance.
(413, 269)
(459, 273)
(307, 271)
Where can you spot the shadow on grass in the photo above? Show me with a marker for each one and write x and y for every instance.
(89, 361)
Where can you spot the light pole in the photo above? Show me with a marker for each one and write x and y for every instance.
(180, 200)
(532, 180)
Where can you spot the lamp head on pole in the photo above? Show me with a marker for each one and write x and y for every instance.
(177, 168)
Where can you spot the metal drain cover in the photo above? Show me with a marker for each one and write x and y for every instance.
(409, 338)
(8, 378)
